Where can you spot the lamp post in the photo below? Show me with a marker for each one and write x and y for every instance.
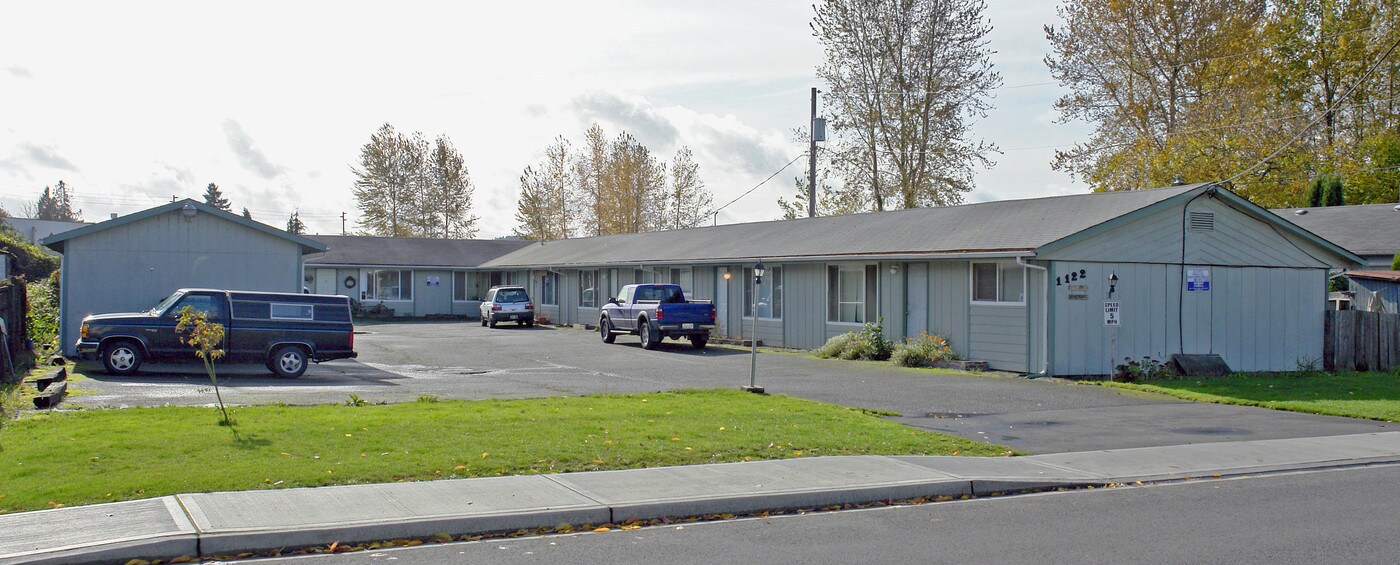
(753, 338)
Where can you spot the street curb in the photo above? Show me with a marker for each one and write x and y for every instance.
(181, 539)
(210, 524)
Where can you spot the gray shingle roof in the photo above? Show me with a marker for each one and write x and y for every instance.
(984, 228)
(1368, 229)
(58, 240)
(409, 251)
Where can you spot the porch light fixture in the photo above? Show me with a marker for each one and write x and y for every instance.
(1112, 282)
(894, 268)
(753, 338)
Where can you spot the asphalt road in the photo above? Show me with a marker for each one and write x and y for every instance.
(461, 360)
(1315, 517)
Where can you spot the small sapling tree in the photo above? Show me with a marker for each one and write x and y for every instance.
(205, 337)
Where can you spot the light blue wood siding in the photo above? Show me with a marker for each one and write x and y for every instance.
(1256, 319)
(132, 266)
(429, 300)
(999, 335)
(770, 332)
(891, 300)
(949, 296)
(804, 305)
(1236, 239)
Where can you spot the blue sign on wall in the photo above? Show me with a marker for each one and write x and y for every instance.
(1198, 280)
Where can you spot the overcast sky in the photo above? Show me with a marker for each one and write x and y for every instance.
(134, 102)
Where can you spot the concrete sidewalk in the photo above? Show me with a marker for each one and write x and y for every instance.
(226, 523)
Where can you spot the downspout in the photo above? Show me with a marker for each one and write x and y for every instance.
(1044, 315)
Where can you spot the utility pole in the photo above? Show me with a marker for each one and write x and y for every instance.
(342, 223)
(812, 160)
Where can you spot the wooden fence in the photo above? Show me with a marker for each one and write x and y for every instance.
(14, 305)
(1361, 341)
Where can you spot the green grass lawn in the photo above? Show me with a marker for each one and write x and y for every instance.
(53, 459)
(1373, 395)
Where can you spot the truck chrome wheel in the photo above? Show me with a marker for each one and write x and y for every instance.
(289, 361)
(121, 358)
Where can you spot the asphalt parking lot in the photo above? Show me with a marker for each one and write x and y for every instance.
(399, 362)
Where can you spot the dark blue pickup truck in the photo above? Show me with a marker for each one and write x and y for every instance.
(283, 331)
(655, 312)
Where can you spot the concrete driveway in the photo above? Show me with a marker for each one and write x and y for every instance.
(461, 360)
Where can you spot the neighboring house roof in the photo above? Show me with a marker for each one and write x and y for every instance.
(369, 251)
(1391, 276)
(56, 241)
(1368, 229)
(1002, 228)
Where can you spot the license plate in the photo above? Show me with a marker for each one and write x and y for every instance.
(514, 317)
(687, 326)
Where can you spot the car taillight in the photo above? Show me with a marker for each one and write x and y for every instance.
(529, 306)
(495, 308)
(712, 312)
(659, 313)
(352, 340)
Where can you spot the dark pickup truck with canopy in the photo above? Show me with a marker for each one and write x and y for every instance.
(283, 331)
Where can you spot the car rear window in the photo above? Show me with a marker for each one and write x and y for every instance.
(512, 295)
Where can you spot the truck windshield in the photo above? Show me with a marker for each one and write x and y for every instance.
(512, 295)
(162, 306)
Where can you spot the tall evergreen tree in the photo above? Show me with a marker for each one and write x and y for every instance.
(56, 203)
(1332, 191)
(215, 197)
(1315, 192)
(294, 223)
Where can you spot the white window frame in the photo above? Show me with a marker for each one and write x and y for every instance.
(373, 290)
(865, 308)
(592, 275)
(549, 288)
(309, 308)
(772, 281)
(1000, 264)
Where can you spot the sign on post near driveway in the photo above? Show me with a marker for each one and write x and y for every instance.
(1110, 313)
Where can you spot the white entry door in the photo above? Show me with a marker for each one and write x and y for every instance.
(325, 281)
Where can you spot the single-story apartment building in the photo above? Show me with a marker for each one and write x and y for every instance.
(130, 263)
(411, 276)
(1066, 285)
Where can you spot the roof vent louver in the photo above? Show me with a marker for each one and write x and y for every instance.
(1201, 221)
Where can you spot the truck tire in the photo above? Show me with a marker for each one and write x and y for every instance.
(699, 341)
(650, 337)
(288, 361)
(605, 329)
(121, 357)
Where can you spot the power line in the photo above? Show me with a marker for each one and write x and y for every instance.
(1375, 65)
(755, 187)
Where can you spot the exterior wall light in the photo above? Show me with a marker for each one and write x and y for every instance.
(188, 211)
(1112, 282)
